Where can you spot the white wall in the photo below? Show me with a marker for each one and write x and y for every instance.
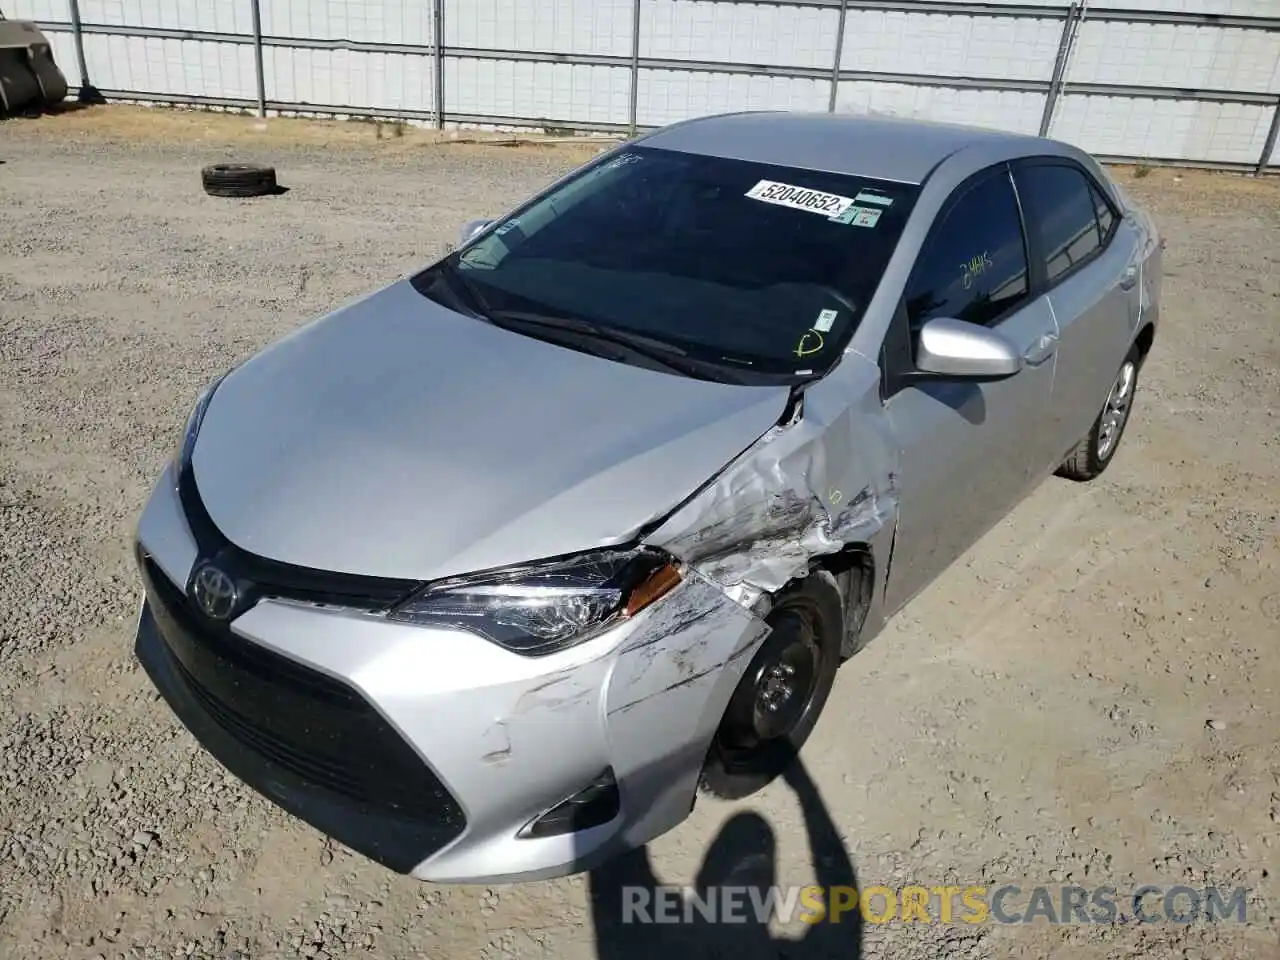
(565, 26)
(795, 37)
(953, 46)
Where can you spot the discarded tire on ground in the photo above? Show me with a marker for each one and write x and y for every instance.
(238, 180)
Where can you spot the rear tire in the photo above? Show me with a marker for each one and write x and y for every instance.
(1095, 451)
(238, 180)
(782, 692)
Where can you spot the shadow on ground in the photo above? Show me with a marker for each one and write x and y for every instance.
(741, 856)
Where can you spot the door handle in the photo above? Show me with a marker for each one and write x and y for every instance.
(1128, 278)
(1041, 350)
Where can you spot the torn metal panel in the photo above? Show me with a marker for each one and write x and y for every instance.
(803, 490)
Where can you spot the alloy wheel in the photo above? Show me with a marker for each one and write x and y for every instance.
(1116, 411)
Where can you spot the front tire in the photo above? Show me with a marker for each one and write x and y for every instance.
(782, 692)
(1095, 451)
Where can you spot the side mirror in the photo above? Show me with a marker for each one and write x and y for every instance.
(470, 230)
(956, 348)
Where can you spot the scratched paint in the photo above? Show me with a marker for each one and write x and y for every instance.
(696, 630)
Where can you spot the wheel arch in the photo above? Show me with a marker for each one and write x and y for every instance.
(854, 569)
(1144, 341)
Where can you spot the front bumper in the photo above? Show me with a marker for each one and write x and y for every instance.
(428, 750)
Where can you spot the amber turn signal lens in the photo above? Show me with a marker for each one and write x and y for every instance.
(661, 582)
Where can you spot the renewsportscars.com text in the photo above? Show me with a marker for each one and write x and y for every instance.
(974, 904)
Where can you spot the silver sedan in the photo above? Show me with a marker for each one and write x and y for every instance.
(491, 572)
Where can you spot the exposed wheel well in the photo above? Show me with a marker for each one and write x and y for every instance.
(854, 569)
(1146, 337)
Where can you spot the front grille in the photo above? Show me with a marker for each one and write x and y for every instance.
(315, 729)
(253, 659)
(336, 776)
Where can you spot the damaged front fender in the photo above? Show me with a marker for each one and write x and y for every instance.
(805, 490)
(808, 489)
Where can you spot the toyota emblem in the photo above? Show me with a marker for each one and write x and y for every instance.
(214, 592)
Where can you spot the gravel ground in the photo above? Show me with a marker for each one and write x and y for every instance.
(1089, 696)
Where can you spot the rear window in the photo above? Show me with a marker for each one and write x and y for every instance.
(749, 265)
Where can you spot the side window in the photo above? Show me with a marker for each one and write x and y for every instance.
(973, 267)
(1059, 203)
(1106, 219)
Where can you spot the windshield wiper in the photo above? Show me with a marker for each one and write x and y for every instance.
(462, 289)
(667, 354)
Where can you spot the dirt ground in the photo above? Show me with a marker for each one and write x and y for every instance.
(1090, 696)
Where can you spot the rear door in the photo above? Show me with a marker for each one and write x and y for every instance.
(1085, 256)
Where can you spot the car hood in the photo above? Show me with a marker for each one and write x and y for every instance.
(397, 438)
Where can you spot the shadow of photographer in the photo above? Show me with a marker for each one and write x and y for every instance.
(741, 856)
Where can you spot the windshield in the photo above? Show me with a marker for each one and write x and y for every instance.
(740, 266)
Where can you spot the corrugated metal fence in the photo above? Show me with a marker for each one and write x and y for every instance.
(1194, 81)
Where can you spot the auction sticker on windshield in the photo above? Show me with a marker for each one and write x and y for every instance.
(859, 216)
(800, 198)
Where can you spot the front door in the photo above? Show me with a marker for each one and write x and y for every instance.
(966, 448)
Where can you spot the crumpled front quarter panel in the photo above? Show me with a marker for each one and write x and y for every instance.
(804, 490)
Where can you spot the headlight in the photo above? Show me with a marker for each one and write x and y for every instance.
(187, 443)
(544, 608)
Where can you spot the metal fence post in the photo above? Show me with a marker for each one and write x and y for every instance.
(437, 28)
(255, 7)
(633, 112)
(835, 64)
(1075, 13)
(1269, 147)
(88, 92)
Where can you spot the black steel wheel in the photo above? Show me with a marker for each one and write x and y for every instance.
(781, 694)
(239, 180)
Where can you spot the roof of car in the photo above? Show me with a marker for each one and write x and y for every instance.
(885, 148)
